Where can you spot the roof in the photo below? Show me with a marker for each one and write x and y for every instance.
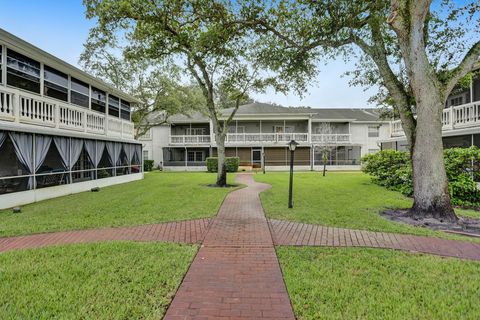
(266, 109)
(36, 53)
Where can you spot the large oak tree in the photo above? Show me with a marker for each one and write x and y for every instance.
(415, 51)
(200, 36)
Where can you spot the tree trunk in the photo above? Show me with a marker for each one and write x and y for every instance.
(222, 167)
(430, 183)
(324, 162)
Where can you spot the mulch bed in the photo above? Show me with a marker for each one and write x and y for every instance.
(465, 226)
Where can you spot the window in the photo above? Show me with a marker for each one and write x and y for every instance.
(23, 72)
(373, 131)
(195, 131)
(125, 112)
(282, 129)
(456, 101)
(236, 129)
(55, 84)
(99, 99)
(145, 154)
(195, 156)
(113, 106)
(79, 93)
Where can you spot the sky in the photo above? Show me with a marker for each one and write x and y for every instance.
(60, 28)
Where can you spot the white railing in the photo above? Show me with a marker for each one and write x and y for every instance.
(6, 105)
(465, 115)
(333, 138)
(31, 109)
(265, 137)
(190, 139)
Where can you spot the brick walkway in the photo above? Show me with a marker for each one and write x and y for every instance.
(191, 231)
(235, 274)
(300, 234)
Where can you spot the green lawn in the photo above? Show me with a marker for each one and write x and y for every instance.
(353, 283)
(341, 199)
(116, 280)
(159, 197)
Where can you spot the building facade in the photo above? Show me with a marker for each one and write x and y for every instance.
(460, 119)
(259, 135)
(61, 130)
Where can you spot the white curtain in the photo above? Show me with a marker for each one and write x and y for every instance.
(113, 149)
(94, 151)
(63, 148)
(76, 146)
(69, 150)
(23, 142)
(129, 151)
(138, 152)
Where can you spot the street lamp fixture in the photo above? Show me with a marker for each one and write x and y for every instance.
(292, 145)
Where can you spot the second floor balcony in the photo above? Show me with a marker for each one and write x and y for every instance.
(454, 117)
(262, 138)
(24, 108)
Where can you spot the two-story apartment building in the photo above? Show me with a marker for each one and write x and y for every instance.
(460, 119)
(259, 135)
(61, 130)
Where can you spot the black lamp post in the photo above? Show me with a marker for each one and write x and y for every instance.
(291, 146)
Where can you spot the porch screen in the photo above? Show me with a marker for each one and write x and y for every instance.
(69, 150)
(3, 136)
(113, 149)
(94, 151)
(129, 151)
(22, 143)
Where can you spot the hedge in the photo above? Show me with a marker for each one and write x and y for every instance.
(232, 164)
(393, 170)
(147, 165)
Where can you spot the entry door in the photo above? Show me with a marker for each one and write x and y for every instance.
(257, 156)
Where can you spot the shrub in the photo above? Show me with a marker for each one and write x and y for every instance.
(392, 169)
(147, 165)
(232, 164)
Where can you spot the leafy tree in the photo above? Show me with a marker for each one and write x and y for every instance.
(159, 90)
(327, 143)
(202, 37)
(416, 52)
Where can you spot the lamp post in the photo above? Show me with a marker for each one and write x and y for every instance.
(291, 146)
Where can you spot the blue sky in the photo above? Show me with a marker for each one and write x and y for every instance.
(60, 28)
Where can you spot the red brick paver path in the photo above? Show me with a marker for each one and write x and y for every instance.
(300, 234)
(191, 231)
(235, 274)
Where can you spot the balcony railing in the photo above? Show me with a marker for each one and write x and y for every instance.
(265, 137)
(334, 138)
(462, 116)
(190, 139)
(22, 107)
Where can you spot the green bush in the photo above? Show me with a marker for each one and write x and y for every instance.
(147, 165)
(232, 164)
(393, 170)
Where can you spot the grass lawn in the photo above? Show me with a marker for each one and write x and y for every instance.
(341, 199)
(159, 197)
(115, 280)
(354, 283)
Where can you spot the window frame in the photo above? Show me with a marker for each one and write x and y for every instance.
(18, 72)
(373, 134)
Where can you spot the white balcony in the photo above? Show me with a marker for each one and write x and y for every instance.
(189, 139)
(335, 138)
(247, 138)
(25, 108)
(462, 116)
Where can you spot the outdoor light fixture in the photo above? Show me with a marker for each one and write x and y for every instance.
(292, 145)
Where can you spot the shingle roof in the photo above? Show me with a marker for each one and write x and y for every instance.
(256, 108)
